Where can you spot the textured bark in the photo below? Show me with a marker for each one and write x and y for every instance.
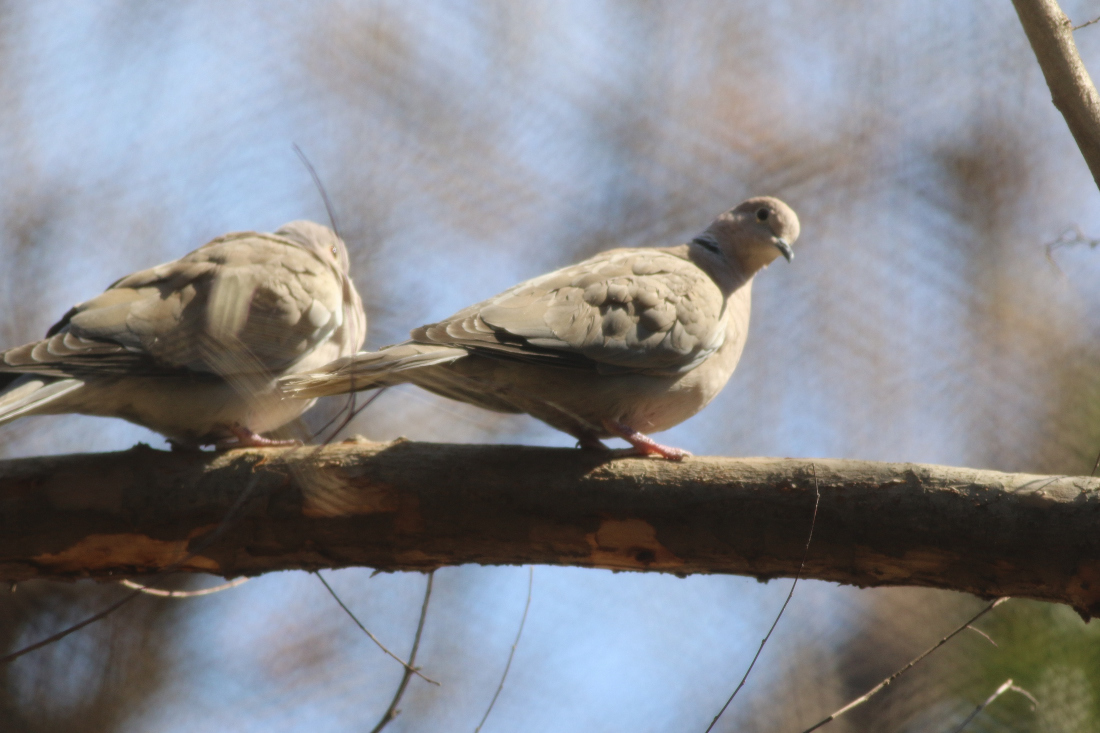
(1050, 34)
(416, 506)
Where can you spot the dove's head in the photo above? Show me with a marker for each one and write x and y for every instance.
(754, 233)
(318, 239)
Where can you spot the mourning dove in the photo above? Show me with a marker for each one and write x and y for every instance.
(628, 342)
(192, 348)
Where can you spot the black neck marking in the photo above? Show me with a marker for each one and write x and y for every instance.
(707, 243)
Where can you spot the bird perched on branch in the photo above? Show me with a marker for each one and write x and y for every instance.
(192, 348)
(629, 342)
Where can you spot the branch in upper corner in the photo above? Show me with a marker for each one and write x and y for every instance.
(1050, 33)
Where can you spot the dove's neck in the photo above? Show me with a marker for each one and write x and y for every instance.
(729, 276)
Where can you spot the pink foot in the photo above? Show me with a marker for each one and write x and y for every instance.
(643, 444)
(245, 438)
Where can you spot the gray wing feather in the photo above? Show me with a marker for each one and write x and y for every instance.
(642, 310)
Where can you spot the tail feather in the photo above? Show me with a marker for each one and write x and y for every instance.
(368, 370)
(31, 394)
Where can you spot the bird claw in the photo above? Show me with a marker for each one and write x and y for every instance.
(246, 438)
(643, 444)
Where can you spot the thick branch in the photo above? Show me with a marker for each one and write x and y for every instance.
(1050, 33)
(416, 506)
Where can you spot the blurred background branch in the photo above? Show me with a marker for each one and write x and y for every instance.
(416, 506)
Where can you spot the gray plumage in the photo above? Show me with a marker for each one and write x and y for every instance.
(628, 342)
(192, 348)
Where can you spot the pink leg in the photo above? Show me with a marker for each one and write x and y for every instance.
(644, 444)
(245, 438)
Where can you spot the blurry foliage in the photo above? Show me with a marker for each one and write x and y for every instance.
(469, 145)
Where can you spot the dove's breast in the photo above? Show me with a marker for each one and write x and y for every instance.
(664, 402)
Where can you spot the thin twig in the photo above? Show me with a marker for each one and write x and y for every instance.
(1086, 24)
(1070, 236)
(511, 654)
(149, 590)
(392, 711)
(320, 188)
(352, 413)
(790, 594)
(1005, 687)
(200, 546)
(877, 688)
(408, 667)
(982, 634)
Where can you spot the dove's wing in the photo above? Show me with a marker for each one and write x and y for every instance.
(626, 310)
(245, 302)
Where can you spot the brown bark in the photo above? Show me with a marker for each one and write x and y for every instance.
(416, 506)
(1050, 33)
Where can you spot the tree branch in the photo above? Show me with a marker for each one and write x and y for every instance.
(1050, 33)
(418, 506)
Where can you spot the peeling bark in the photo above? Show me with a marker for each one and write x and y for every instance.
(418, 506)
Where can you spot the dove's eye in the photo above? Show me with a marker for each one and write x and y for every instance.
(762, 214)
(334, 250)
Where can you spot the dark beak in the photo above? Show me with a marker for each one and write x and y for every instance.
(784, 247)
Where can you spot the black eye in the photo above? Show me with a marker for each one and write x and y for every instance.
(762, 214)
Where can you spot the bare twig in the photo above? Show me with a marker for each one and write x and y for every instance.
(1069, 237)
(392, 711)
(149, 590)
(511, 654)
(982, 634)
(1086, 24)
(320, 187)
(790, 594)
(1005, 687)
(352, 412)
(408, 667)
(882, 685)
(71, 629)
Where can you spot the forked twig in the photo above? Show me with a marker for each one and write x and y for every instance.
(392, 711)
(790, 594)
(511, 654)
(1005, 687)
(408, 667)
(878, 688)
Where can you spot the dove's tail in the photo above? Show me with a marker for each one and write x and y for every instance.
(369, 369)
(31, 394)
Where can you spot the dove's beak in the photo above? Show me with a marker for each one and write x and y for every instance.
(784, 246)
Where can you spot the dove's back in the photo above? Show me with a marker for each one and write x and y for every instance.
(191, 348)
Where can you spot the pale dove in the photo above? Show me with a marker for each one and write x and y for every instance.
(628, 342)
(192, 348)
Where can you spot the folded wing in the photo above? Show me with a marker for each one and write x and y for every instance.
(645, 311)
